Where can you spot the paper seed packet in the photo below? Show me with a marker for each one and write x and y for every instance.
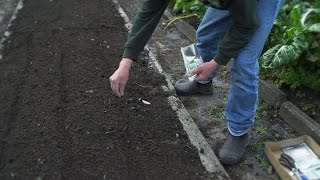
(305, 160)
(191, 59)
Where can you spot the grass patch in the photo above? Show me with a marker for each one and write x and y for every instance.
(174, 78)
(262, 110)
(307, 106)
(217, 112)
(258, 147)
(263, 131)
(263, 162)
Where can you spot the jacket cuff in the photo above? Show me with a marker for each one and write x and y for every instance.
(131, 54)
(221, 59)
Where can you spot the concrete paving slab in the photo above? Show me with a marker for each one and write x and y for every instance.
(299, 121)
(271, 94)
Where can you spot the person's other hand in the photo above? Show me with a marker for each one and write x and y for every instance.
(204, 70)
(120, 77)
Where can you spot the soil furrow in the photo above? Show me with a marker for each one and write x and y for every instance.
(61, 125)
(9, 115)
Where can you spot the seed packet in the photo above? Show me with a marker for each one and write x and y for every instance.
(305, 160)
(191, 59)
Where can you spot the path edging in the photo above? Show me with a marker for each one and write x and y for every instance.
(298, 120)
(268, 92)
(207, 156)
(7, 33)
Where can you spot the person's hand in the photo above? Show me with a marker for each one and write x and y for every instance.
(120, 77)
(204, 70)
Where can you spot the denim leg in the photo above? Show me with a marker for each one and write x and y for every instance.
(212, 29)
(243, 98)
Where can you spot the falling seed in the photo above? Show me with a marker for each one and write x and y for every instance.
(6, 34)
(146, 102)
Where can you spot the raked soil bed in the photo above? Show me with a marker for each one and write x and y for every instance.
(58, 116)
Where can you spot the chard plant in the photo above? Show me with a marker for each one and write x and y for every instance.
(292, 54)
(189, 7)
(295, 34)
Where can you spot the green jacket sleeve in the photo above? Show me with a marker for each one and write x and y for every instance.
(245, 23)
(144, 24)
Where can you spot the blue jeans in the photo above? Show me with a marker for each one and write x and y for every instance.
(243, 97)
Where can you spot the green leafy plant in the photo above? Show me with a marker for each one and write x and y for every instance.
(262, 130)
(306, 106)
(297, 35)
(263, 163)
(217, 112)
(258, 146)
(189, 7)
(262, 110)
(301, 76)
(292, 53)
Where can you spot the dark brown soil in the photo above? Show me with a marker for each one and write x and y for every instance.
(58, 117)
(306, 99)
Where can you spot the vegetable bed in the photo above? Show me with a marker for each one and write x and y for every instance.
(58, 116)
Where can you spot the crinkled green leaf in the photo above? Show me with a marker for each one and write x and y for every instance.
(305, 16)
(314, 28)
(178, 5)
(310, 20)
(268, 56)
(313, 53)
(295, 16)
(291, 33)
(284, 54)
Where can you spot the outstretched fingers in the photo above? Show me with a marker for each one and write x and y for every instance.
(115, 87)
(121, 88)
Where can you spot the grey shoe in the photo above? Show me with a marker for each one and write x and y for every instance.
(186, 88)
(233, 149)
